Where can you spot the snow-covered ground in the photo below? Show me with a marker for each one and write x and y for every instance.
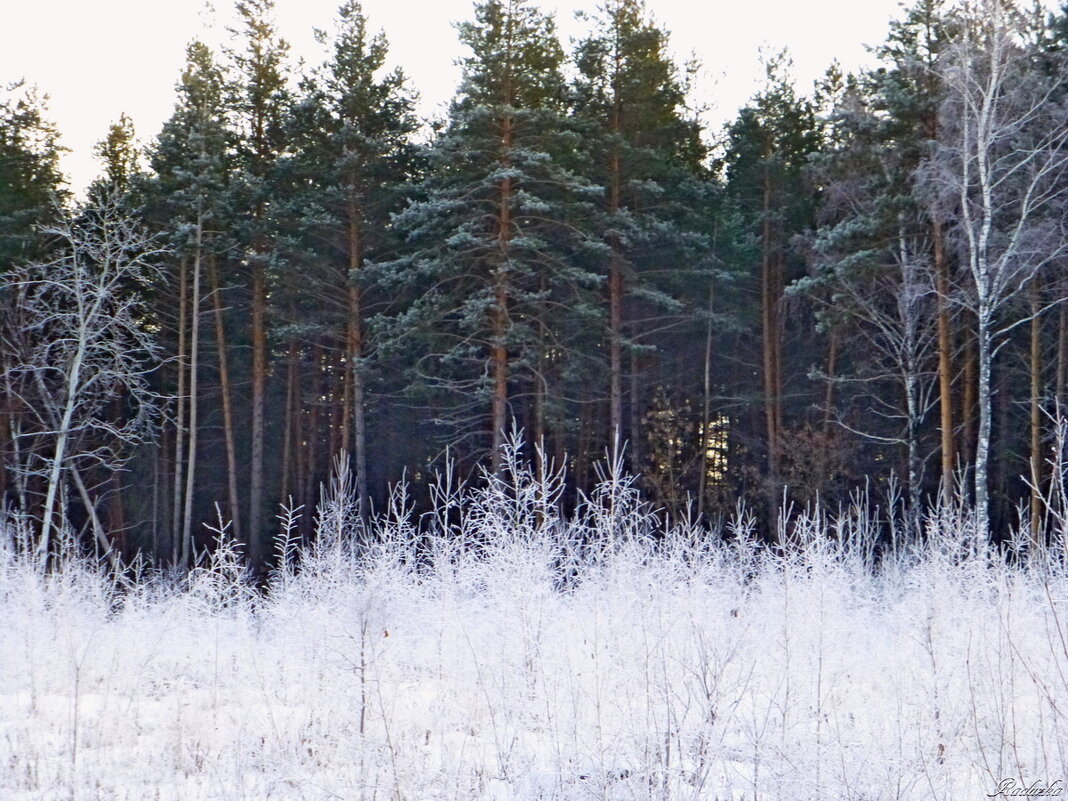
(515, 657)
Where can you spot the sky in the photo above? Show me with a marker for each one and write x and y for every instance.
(97, 59)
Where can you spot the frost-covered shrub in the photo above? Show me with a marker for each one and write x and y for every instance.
(498, 650)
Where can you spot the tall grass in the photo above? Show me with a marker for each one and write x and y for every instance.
(493, 650)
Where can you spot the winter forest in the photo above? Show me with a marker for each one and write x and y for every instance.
(561, 447)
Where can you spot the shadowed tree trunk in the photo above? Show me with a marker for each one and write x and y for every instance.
(221, 348)
(945, 362)
(1037, 508)
(180, 419)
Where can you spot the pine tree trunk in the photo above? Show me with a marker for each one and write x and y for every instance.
(541, 389)
(300, 451)
(312, 459)
(615, 315)
(289, 439)
(499, 411)
(770, 330)
(354, 360)
(347, 378)
(334, 389)
(179, 422)
(706, 407)
(156, 468)
(945, 362)
(635, 415)
(257, 550)
(227, 408)
(194, 354)
(1037, 508)
(499, 357)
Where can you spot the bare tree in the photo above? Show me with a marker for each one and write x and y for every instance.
(893, 308)
(79, 339)
(999, 168)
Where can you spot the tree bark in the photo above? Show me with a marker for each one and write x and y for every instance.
(706, 407)
(945, 362)
(194, 361)
(179, 423)
(335, 379)
(227, 407)
(968, 398)
(354, 360)
(770, 281)
(1037, 508)
(499, 348)
(289, 440)
(257, 550)
(311, 460)
(615, 268)
(982, 444)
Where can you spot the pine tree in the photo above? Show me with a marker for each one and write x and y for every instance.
(120, 154)
(191, 163)
(909, 90)
(494, 243)
(30, 179)
(767, 155)
(351, 137)
(260, 101)
(649, 158)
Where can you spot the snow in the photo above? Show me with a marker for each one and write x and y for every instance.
(514, 665)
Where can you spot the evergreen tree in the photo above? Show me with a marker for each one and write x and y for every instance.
(191, 160)
(260, 101)
(351, 136)
(767, 154)
(649, 158)
(120, 154)
(494, 243)
(30, 179)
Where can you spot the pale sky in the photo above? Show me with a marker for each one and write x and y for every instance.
(99, 58)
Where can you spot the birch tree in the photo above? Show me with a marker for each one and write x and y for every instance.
(79, 339)
(999, 168)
